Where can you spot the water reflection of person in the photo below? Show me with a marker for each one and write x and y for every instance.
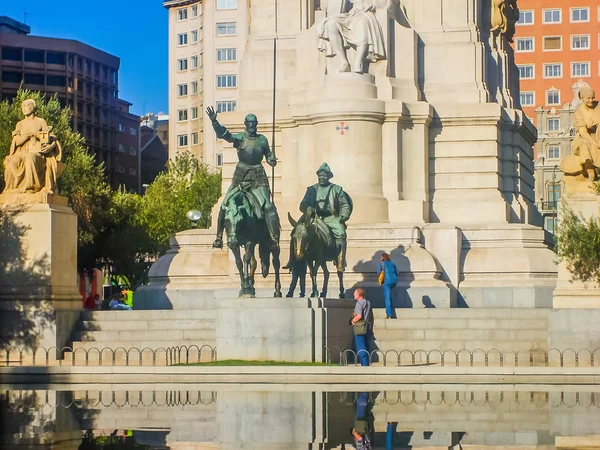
(363, 424)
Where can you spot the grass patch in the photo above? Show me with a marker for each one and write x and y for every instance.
(243, 362)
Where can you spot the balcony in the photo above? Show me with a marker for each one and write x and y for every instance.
(548, 206)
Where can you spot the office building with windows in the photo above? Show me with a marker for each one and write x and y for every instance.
(206, 43)
(557, 43)
(128, 145)
(557, 48)
(82, 77)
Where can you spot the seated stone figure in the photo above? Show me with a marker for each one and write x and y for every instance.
(585, 157)
(33, 161)
(357, 28)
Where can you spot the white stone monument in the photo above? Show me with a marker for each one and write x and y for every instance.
(425, 134)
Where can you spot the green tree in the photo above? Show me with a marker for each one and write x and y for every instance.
(577, 244)
(82, 182)
(187, 184)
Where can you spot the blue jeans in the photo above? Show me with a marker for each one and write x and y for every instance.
(362, 348)
(387, 295)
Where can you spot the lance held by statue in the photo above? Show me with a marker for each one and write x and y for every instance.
(247, 212)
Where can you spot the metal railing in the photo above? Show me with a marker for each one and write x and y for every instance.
(466, 358)
(105, 356)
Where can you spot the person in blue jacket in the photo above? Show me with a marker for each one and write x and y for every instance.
(390, 279)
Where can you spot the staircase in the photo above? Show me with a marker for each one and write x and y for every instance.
(153, 329)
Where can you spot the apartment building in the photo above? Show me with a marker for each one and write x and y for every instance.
(557, 44)
(206, 44)
(82, 77)
(128, 147)
(557, 49)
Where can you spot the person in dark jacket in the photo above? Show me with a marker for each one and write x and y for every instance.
(390, 279)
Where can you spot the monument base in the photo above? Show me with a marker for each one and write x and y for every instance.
(39, 299)
(284, 329)
(569, 293)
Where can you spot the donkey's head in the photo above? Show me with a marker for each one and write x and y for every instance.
(300, 236)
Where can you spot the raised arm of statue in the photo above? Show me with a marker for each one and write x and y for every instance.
(220, 130)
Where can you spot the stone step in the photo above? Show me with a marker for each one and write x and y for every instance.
(145, 335)
(145, 344)
(170, 314)
(460, 335)
(465, 313)
(452, 324)
(144, 325)
(443, 345)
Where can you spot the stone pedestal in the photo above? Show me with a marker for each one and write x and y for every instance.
(283, 329)
(39, 299)
(568, 293)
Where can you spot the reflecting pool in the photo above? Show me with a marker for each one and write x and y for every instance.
(303, 417)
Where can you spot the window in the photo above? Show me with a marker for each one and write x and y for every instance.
(580, 14)
(194, 34)
(553, 70)
(132, 151)
(34, 56)
(34, 78)
(121, 148)
(226, 54)
(526, 72)
(226, 4)
(132, 171)
(580, 42)
(56, 80)
(526, 18)
(194, 11)
(182, 115)
(553, 194)
(194, 112)
(554, 124)
(132, 131)
(121, 127)
(525, 44)
(549, 223)
(580, 69)
(219, 159)
(552, 43)
(226, 28)
(182, 39)
(552, 16)
(194, 87)
(182, 64)
(182, 140)
(12, 54)
(553, 97)
(554, 152)
(57, 58)
(194, 62)
(121, 168)
(11, 77)
(182, 90)
(227, 106)
(226, 81)
(527, 98)
(194, 138)
(182, 14)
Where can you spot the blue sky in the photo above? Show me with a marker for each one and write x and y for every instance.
(135, 31)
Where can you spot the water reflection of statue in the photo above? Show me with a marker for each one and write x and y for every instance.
(505, 14)
(33, 161)
(585, 157)
(357, 28)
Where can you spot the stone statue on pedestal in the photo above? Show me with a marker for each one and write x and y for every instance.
(357, 28)
(320, 234)
(505, 14)
(34, 162)
(585, 155)
(247, 212)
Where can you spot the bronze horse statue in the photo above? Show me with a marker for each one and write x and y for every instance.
(309, 243)
(245, 229)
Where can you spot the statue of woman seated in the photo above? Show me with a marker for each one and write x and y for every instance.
(585, 157)
(33, 161)
(358, 29)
